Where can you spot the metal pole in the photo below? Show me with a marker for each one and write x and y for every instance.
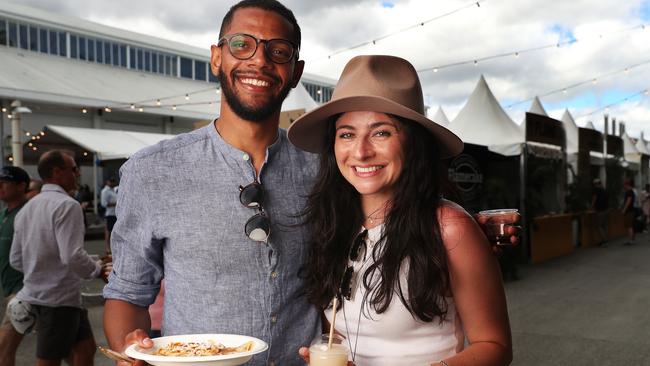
(2, 135)
(16, 146)
(95, 184)
(522, 201)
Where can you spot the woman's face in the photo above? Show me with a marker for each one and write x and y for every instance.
(369, 152)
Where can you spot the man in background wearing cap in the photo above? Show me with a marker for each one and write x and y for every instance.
(599, 204)
(48, 247)
(13, 187)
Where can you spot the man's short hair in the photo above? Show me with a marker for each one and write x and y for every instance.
(268, 5)
(50, 160)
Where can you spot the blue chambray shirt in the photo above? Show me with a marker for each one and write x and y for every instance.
(179, 217)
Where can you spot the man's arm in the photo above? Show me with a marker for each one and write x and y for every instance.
(16, 251)
(69, 232)
(124, 324)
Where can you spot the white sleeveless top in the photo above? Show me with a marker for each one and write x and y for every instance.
(394, 337)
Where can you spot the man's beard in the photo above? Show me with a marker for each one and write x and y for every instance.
(255, 114)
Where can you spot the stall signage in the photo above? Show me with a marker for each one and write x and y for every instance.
(465, 171)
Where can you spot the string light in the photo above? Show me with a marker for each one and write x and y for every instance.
(30, 144)
(108, 110)
(132, 106)
(4, 110)
(187, 97)
(419, 24)
(34, 148)
(514, 52)
(140, 109)
(173, 108)
(85, 153)
(84, 111)
(42, 133)
(10, 116)
(10, 158)
(27, 134)
(158, 102)
(606, 108)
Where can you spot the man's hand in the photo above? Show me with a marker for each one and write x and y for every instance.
(140, 338)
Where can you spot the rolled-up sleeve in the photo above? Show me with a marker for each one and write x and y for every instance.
(137, 254)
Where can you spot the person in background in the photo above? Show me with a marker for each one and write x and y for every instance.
(35, 186)
(48, 247)
(599, 204)
(629, 210)
(13, 187)
(415, 274)
(645, 206)
(109, 201)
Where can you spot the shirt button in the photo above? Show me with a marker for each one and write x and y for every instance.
(274, 274)
(274, 319)
(246, 157)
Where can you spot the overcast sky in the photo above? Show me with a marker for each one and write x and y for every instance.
(599, 37)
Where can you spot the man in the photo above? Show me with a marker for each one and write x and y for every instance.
(599, 204)
(629, 210)
(35, 186)
(215, 210)
(48, 249)
(13, 187)
(109, 200)
(179, 214)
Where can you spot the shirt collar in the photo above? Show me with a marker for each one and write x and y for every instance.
(234, 152)
(53, 188)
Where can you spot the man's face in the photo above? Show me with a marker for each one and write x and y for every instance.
(255, 88)
(11, 191)
(68, 176)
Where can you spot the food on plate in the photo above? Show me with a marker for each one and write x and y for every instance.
(207, 348)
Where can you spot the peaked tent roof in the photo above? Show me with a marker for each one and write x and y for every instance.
(482, 121)
(642, 146)
(590, 125)
(537, 108)
(631, 152)
(441, 118)
(571, 130)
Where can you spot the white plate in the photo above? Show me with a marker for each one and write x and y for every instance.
(228, 340)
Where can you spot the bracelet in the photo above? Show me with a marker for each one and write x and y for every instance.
(443, 363)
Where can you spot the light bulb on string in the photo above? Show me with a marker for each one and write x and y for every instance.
(158, 102)
(132, 106)
(140, 109)
(173, 108)
(435, 70)
(27, 133)
(187, 97)
(42, 133)
(85, 153)
(84, 110)
(11, 158)
(516, 54)
(108, 110)
(475, 63)
(4, 110)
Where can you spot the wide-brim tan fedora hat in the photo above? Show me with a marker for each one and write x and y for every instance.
(377, 83)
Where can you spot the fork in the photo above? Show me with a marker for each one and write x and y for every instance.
(113, 355)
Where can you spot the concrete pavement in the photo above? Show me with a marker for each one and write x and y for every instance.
(591, 307)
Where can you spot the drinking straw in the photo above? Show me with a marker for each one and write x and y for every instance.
(334, 306)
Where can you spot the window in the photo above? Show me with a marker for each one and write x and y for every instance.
(33, 38)
(175, 65)
(154, 62)
(211, 77)
(116, 55)
(63, 44)
(140, 60)
(161, 64)
(23, 37)
(91, 49)
(3, 33)
(186, 68)
(122, 55)
(107, 53)
(54, 44)
(44, 40)
(132, 58)
(147, 61)
(168, 66)
(13, 35)
(73, 47)
(199, 70)
(82, 48)
(100, 51)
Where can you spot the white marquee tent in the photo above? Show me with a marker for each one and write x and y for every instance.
(441, 118)
(483, 122)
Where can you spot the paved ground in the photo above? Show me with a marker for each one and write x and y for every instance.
(589, 308)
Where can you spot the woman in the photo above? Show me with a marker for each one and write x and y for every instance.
(414, 273)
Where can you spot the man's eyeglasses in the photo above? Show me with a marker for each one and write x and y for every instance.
(258, 227)
(243, 46)
(350, 278)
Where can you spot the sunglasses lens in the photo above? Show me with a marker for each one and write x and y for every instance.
(258, 228)
(252, 195)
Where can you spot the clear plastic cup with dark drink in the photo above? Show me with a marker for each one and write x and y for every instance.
(496, 224)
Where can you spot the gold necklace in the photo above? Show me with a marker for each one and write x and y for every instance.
(371, 217)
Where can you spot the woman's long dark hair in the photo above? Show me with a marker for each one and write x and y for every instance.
(411, 233)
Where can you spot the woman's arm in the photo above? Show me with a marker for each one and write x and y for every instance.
(477, 290)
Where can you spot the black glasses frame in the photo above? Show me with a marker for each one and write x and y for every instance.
(350, 277)
(258, 226)
(295, 49)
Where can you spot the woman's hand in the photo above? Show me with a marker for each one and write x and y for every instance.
(304, 354)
